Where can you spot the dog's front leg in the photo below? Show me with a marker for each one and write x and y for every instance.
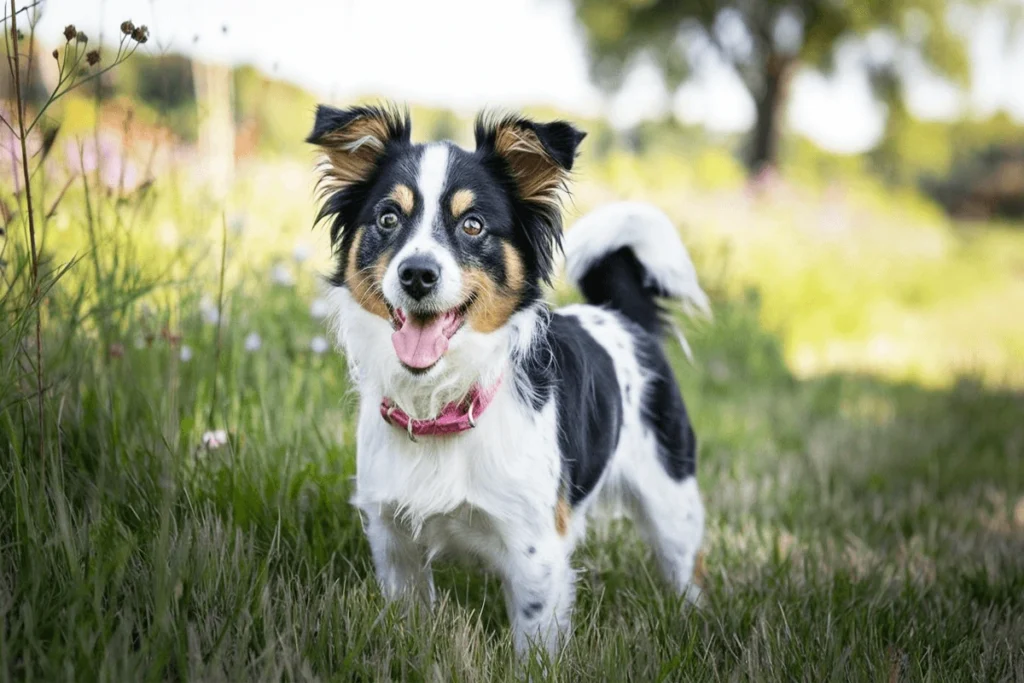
(539, 590)
(403, 570)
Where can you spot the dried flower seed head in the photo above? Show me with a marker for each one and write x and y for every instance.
(140, 34)
(56, 55)
(127, 27)
(70, 32)
(93, 57)
(82, 38)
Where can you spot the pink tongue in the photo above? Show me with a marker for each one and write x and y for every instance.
(420, 346)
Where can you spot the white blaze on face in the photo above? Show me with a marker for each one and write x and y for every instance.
(430, 182)
(421, 341)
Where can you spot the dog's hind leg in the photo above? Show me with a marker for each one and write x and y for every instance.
(670, 515)
(402, 567)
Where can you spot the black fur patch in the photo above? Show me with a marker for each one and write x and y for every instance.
(532, 609)
(573, 367)
(663, 410)
(618, 281)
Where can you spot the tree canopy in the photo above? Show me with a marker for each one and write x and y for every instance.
(764, 41)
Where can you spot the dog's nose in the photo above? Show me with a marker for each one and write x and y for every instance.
(419, 275)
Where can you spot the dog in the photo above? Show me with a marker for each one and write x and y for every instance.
(489, 424)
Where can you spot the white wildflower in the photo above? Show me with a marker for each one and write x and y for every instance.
(237, 223)
(211, 314)
(319, 309)
(318, 345)
(186, 353)
(253, 342)
(281, 274)
(301, 252)
(215, 439)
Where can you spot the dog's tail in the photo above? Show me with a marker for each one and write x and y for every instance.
(628, 256)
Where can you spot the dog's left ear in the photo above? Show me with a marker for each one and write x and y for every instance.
(538, 156)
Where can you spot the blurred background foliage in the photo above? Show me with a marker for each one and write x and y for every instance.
(888, 260)
(972, 167)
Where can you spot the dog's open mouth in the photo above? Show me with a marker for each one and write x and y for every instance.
(421, 339)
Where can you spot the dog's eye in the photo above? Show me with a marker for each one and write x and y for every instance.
(472, 226)
(388, 220)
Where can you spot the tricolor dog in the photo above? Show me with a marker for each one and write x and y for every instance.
(490, 424)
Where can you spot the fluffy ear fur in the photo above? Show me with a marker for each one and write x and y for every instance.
(535, 159)
(354, 139)
(538, 156)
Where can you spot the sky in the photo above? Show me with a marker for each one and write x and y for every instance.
(467, 54)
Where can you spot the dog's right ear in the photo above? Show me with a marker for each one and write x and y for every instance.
(355, 139)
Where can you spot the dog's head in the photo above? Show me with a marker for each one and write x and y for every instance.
(437, 240)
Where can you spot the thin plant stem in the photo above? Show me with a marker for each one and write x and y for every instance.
(94, 246)
(121, 57)
(20, 104)
(220, 313)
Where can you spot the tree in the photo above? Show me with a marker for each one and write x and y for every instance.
(765, 41)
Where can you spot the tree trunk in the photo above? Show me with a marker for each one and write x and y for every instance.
(216, 124)
(770, 109)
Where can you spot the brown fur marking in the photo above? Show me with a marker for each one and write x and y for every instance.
(494, 303)
(403, 196)
(562, 516)
(365, 284)
(353, 150)
(538, 176)
(462, 201)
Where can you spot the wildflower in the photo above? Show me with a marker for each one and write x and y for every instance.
(281, 275)
(215, 439)
(318, 345)
(127, 27)
(209, 310)
(70, 32)
(116, 350)
(141, 34)
(301, 252)
(253, 342)
(237, 223)
(82, 38)
(93, 57)
(186, 353)
(319, 309)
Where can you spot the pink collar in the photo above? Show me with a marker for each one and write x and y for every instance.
(455, 417)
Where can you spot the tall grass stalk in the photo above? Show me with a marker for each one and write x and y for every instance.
(30, 213)
(76, 58)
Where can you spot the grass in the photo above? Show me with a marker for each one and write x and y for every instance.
(860, 528)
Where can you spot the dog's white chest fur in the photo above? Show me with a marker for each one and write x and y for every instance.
(506, 469)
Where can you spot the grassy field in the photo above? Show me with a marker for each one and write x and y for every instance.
(861, 527)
